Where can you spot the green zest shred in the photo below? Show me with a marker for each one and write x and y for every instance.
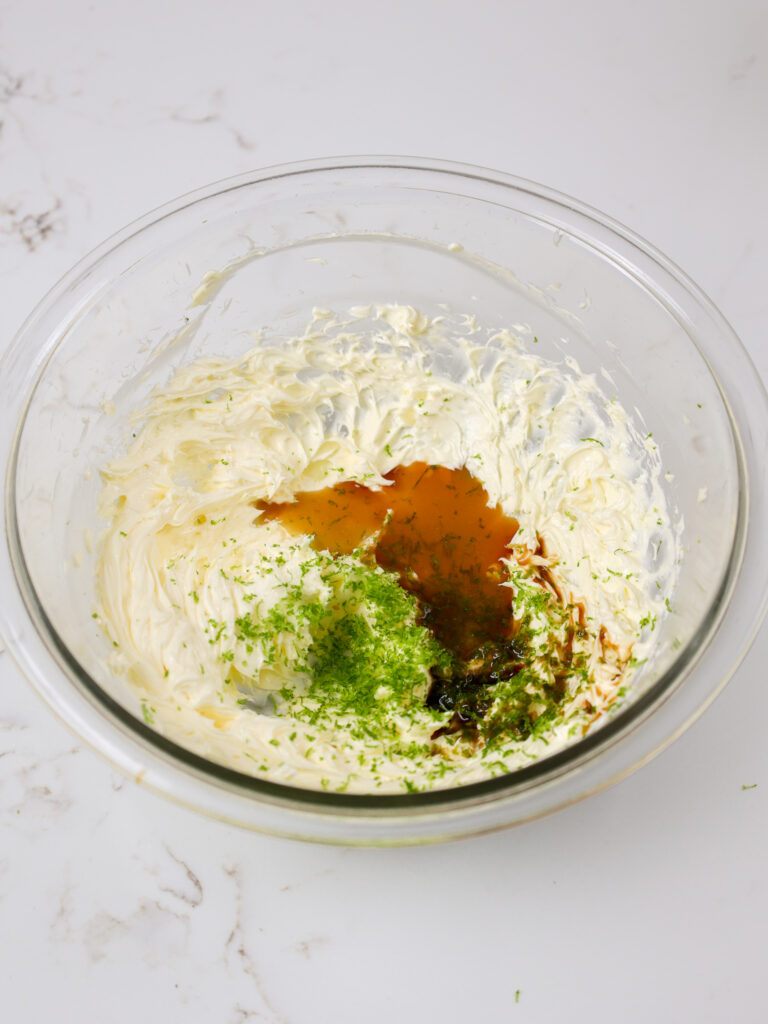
(360, 664)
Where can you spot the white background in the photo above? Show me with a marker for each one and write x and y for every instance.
(645, 903)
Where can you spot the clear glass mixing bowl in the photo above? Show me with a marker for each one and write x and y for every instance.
(352, 232)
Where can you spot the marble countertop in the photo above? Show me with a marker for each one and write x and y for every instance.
(645, 902)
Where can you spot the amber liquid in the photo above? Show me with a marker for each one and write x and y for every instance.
(431, 526)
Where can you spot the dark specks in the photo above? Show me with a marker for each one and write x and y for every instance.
(31, 228)
(741, 68)
(308, 946)
(10, 85)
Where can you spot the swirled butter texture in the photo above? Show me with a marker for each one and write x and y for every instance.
(231, 627)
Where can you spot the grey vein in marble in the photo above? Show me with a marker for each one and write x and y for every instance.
(211, 112)
(238, 954)
(163, 934)
(193, 893)
(31, 229)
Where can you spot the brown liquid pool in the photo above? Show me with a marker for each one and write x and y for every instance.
(434, 528)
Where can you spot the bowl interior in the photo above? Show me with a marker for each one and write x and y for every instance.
(261, 254)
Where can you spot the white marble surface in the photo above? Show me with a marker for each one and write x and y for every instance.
(646, 902)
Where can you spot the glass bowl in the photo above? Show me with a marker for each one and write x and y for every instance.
(352, 232)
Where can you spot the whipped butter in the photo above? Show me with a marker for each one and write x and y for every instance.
(194, 582)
